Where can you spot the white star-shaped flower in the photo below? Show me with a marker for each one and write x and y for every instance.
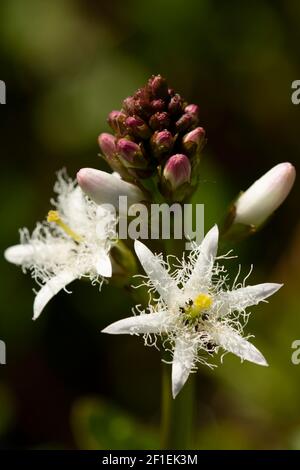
(74, 242)
(195, 312)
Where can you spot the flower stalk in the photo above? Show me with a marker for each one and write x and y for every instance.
(177, 416)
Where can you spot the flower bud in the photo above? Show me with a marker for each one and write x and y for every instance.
(192, 109)
(137, 127)
(116, 120)
(194, 141)
(105, 188)
(255, 205)
(185, 122)
(175, 106)
(158, 105)
(177, 171)
(161, 143)
(131, 154)
(159, 121)
(129, 105)
(107, 143)
(158, 86)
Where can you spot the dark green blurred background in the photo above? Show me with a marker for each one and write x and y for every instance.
(66, 64)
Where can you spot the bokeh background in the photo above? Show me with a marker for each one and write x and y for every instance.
(66, 64)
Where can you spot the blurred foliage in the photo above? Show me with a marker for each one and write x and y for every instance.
(66, 64)
(97, 426)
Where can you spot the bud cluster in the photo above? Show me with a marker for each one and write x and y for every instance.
(156, 133)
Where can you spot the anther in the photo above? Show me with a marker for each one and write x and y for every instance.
(53, 216)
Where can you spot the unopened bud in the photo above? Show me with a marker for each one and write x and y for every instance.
(192, 109)
(131, 154)
(175, 106)
(194, 141)
(159, 121)
(161, 143)
(158, 105)
(116, 120)
(185, 122)
(108, 146)
(137, 127)
(129, 105)
(158, 86)
(177, 171)
(255, 205)
(104, 188)
(107, 143)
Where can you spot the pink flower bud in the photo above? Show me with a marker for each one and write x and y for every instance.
(107, 143)
(192, 109)
(131, 154)
(175, 105)
(194, 141)
(159, 121)
(162, 142)
(129, 105)
(184, 122)
(177, 171)
(158, 105)
(158, 86)
(116, 120)
(137, 127)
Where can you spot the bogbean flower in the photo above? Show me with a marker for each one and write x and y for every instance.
(195, 313)
(73, 242)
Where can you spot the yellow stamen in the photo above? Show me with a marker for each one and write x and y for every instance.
(53, 216)
(200, 303)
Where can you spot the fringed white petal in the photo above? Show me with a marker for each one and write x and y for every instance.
(244, 297)
(157, 273)
(231, 341)
(19, 254)
(139, 324)
(73, 208)
(183, 360)
(103, 264)
(50, 289)
(201, 275)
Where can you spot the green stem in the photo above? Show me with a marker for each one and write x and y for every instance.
(177, 414)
